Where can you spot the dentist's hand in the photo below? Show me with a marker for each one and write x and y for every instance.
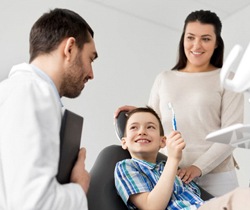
(79, 174)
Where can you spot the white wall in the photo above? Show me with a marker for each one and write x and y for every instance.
(132, 51)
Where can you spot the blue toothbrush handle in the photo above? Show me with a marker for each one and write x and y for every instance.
(174, 124)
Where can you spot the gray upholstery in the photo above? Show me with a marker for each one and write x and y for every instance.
(102, 193)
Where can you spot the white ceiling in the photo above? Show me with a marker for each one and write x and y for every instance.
(171, 13)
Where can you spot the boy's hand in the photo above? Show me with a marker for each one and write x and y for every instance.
(189, 173)
(175, 144)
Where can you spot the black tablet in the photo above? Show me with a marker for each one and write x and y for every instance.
(70, 141)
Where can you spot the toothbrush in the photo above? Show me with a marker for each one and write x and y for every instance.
(173, 116)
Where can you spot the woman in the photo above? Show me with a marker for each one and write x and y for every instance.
(201, 105)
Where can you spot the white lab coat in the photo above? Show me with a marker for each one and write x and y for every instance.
(30, 119)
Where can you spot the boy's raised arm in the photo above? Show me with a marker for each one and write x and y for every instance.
(159, 197)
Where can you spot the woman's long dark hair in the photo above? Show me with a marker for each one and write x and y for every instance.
(204, 17)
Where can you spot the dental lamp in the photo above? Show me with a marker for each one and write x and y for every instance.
(237, 135)
(241, 79)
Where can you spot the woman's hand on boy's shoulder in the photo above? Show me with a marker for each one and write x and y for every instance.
(123, 108)
(189, 173)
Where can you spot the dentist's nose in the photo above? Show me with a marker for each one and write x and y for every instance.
(91, 74)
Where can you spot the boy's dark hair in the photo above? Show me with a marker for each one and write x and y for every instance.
(204, 17)
(53, 27)
(148, 110)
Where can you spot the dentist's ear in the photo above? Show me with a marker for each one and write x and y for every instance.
(123, 142)
(69, 46)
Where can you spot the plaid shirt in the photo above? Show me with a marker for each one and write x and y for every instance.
(134, 176)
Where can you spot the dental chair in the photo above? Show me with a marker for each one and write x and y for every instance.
(102, 193)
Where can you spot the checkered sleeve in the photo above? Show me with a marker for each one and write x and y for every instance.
(129, 180)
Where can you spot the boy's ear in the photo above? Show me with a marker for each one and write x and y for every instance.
(123, 142)
(163, 141)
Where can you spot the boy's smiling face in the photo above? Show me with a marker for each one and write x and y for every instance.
(143, 139)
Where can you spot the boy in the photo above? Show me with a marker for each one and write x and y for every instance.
(144, 183)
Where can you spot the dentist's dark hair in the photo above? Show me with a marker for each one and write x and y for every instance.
(53, 27)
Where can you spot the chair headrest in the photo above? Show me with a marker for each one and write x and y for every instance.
(120, 124)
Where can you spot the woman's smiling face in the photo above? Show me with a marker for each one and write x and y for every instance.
(199, 44)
